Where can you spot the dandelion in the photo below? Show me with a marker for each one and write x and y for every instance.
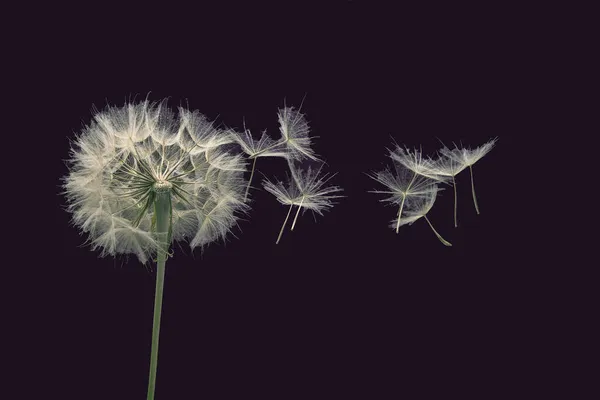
(305, 189)
(412, 185)
(141, 177)
(419, 209)
(468, 157)
(449, 167)
(264, 147)
(405, 186)
(413, 175)
(414, 161)
(294, 130)
(294, 144)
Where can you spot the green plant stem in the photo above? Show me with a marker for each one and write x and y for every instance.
(162, 208)
(297, 212)
(455, 201)
(400, 214)
(250, 180)
(473, 190)
(284, 222)
(444, 241)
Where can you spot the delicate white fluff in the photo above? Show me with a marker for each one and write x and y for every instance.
(295, 131)
(411, 184)
(294, 144)
(125, 150)
(414, 160)
(403, 184)
(418, 208)
(263, 147)
(447, 166)
(306, 189)
(468, 156)
(196, 133)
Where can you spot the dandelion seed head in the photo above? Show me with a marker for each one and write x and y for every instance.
(414, 161)
(468, 156)
(128, 155)
(305, 188)
(403, 184)
(263, 147)
(295, 131)
(417, 208)
(447, 166)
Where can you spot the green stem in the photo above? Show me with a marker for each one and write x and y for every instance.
(249, 181)
(284, 222)
(297, 212)
(473, 190)
(444, 241)
(455, 200)
(400, 214)
(162, 208)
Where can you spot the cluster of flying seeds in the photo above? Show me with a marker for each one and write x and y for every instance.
(413, 183)
(127, 155)
(305, 187)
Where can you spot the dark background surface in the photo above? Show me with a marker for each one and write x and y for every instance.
(344, 306)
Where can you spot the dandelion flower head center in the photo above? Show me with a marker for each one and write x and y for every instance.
(162, 186)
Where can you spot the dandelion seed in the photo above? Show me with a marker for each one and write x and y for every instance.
(405, 186)
(414, 161)
(419, 209)
(264, 147)
(411, 185)
(305, 189)
(295, 130)
(468, 157)
(449, 167)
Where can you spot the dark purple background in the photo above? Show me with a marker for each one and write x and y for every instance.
(344, 306)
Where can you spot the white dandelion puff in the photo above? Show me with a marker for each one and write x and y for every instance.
(141, 177)
(263, 147)
(122, 161)
(305, 189)
(412, 185)
(415, 161)
(294, 144)
(295, 130)
(418, 209)
(449, 167)
(468, 157)
(404, 187)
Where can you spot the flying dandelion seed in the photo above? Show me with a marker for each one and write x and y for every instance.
(419, 209)
(294, 130)
(415, 161)
(305, 189)
(404, 185)
(412, 185)
(468, 157)
(413, 175)
(449, 167)
(264, 147)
